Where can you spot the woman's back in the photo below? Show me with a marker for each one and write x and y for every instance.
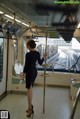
(31, 58)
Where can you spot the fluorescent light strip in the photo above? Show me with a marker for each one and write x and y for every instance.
(18, 20)
(1, 12)
(25, 24)
(9, 16)
(12, 18)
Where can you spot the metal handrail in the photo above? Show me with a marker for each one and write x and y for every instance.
(74, 65)
(75, 104)
(77, 95)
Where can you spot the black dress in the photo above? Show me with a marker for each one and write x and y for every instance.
(30, 67)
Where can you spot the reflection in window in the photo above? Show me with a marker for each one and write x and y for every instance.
(61, 56)
(1, 59)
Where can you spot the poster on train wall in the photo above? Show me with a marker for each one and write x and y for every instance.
(18, 67)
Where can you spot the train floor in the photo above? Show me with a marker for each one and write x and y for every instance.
(57, 104)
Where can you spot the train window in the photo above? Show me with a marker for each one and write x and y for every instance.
(1, 59)
(61, 56)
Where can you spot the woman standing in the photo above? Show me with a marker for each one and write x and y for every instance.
(30, 71)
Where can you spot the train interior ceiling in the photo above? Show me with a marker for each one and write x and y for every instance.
(55, 27)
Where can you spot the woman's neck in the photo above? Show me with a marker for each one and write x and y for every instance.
(32, 49)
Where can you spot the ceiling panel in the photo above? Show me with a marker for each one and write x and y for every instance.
(31, 10)
(26, 8)
(43, 12)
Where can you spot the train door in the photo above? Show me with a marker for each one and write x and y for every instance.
(3, 66)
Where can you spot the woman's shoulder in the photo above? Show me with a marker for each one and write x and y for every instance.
(27, 54)
(32, 52)
(37, 52)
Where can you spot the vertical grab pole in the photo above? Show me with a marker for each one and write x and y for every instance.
(44, 77)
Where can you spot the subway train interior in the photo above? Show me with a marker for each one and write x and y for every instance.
(54, 25)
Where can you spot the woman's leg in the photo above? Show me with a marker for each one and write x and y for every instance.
(29, 94)
(30, 108)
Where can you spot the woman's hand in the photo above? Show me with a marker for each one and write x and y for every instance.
(44, 54)
(22, 76)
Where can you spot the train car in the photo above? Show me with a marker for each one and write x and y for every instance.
(39, 59)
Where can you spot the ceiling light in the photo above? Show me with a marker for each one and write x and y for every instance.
(25, 24)
(18, 20)
(1, 12)
(9, 16)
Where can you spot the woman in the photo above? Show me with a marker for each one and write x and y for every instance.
(30, 71)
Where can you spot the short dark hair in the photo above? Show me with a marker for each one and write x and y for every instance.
(31, 43)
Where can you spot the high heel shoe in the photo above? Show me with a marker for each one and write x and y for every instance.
(30, 113)
(29, 109)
